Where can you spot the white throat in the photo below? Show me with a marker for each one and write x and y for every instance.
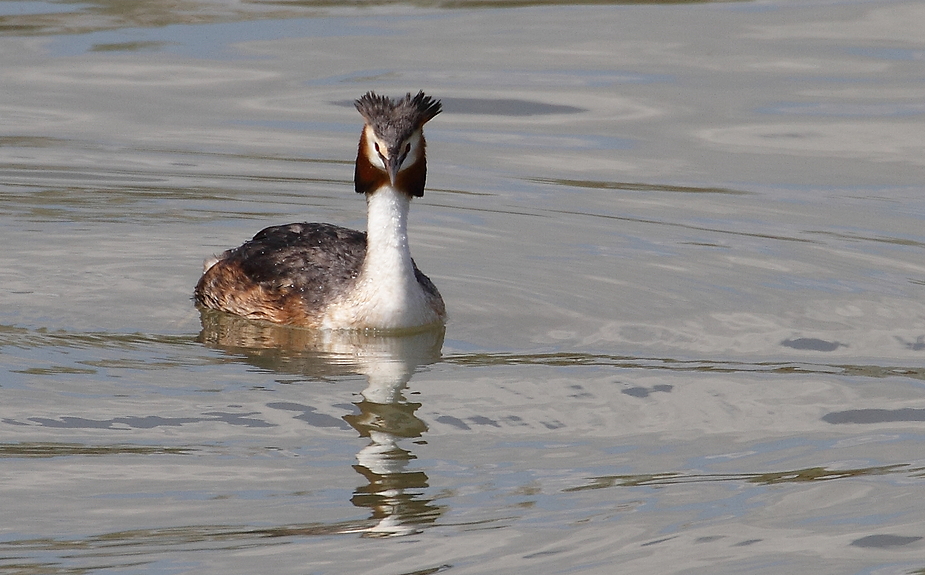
(387, 294)
(388, 257)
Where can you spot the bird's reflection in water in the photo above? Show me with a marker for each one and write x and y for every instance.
(394, 494)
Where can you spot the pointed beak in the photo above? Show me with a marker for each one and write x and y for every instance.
(393, 165)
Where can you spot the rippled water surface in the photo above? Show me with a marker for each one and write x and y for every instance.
(682, 246)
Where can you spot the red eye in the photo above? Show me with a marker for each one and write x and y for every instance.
(376, 144)
(407, 148)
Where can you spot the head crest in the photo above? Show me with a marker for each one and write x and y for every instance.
(394, 120)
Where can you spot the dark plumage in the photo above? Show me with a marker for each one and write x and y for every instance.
(306, 258)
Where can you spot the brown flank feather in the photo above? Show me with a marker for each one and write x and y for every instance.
(226, 286)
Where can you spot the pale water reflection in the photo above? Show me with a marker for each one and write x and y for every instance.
(681, 244)
(395, 493)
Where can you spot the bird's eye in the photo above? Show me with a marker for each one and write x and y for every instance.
(407, 147)
(376, 144)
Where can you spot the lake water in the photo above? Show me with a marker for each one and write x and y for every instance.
(682, 247)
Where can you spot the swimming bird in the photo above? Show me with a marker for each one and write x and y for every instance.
(324, 276)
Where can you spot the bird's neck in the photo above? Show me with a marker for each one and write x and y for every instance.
(388, 256)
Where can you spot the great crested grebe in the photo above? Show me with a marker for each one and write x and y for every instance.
(329, 277)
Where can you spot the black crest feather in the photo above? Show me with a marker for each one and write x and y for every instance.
(393, 120)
